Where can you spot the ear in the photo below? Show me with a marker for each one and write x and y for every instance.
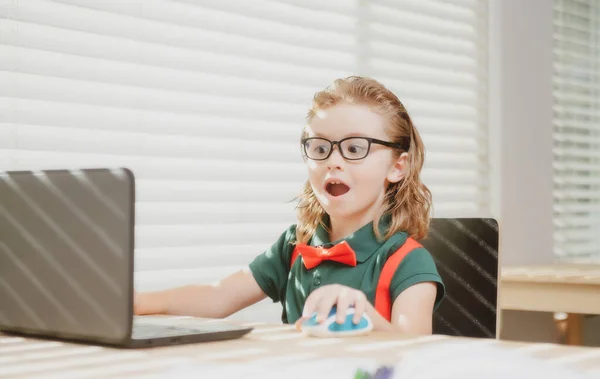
(399, 169)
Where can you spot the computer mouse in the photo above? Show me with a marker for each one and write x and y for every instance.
(330, 328)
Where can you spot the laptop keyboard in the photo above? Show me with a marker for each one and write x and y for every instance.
(145, 331)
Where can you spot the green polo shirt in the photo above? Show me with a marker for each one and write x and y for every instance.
(291, 286)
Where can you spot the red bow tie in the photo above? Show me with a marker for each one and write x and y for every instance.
(313, 256)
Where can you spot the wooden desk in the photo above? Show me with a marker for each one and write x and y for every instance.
(570, 288)
(37, 359)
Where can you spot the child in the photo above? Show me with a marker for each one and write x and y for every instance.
(365, 197)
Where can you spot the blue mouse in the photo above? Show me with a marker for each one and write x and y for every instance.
(330, 328)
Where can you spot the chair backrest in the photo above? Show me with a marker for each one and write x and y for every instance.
(466, 254)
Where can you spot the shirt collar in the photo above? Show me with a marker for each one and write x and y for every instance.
(363, 241)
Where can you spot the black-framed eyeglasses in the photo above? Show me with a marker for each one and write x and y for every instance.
(351, 148)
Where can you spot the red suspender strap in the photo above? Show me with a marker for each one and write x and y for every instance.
(383, 297)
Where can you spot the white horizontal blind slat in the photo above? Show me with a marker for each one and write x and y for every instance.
(576, 133)
(211, 212)
(192, 256)
(205, 101)
(208, 234)
(136, 29)
(113, 48)
(314, 34)
(94, 117)
(122, 96)
(85, 69)
(45, 138)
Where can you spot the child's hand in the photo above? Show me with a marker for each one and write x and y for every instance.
(137, 304)
(323, 299)
(143, 304)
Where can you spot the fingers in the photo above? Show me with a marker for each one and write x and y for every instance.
(360, 306)
(311, 303)
(345, 299)
(322, 300)
(327, 301)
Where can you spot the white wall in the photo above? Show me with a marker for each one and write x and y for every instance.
(521, 128)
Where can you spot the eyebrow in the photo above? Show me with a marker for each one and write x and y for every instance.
(356, 135)
(345, 136)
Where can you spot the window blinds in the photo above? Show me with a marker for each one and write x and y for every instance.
(576, 129)
(205, 101)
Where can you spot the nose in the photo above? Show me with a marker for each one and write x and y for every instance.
(335, 160)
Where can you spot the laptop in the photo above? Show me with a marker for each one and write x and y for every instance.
(67, 262)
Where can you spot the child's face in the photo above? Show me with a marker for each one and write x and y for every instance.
(363, 182)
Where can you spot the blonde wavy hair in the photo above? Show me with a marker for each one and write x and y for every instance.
(408, 202)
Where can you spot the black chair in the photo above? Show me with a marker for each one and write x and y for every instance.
(465, 251)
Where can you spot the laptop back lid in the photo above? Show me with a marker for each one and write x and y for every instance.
(66, 254)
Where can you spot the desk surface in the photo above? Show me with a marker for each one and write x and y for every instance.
(553, 273)
(572, 288)
(31, 358)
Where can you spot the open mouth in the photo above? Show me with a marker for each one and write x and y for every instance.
(336, 188)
